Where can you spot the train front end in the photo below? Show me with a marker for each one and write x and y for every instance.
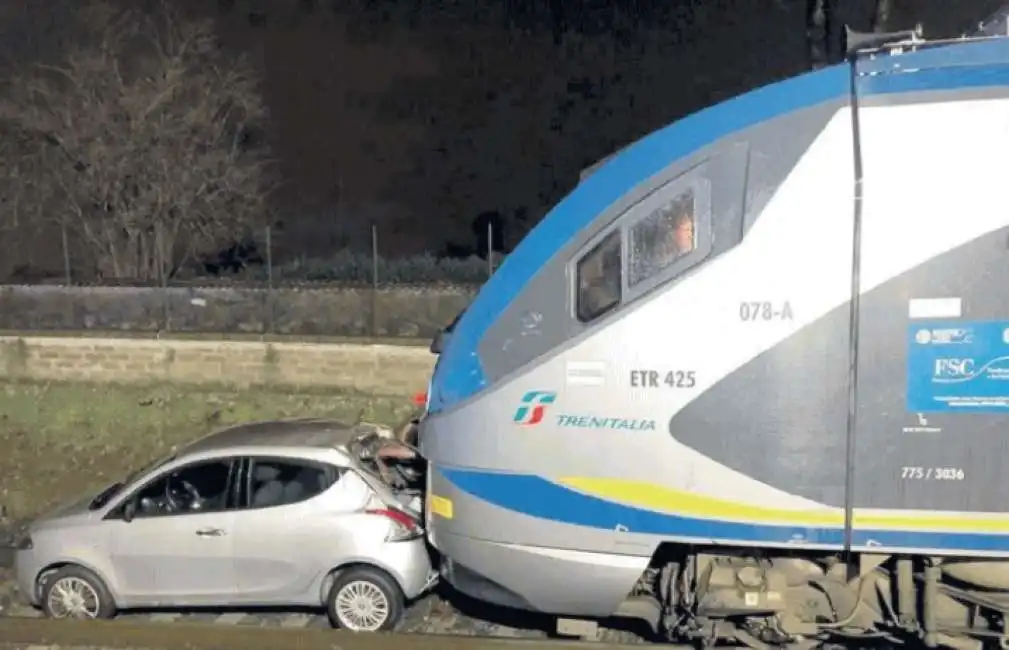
(804, 405)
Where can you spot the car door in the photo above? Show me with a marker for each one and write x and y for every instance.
(287, 531)
(165, 556)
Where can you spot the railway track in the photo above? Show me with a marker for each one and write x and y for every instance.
(41, 633)
(430, 618)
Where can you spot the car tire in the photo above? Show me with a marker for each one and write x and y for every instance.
(365, 599)
(76, 592)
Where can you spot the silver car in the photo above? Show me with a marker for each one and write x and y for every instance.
(300, 513)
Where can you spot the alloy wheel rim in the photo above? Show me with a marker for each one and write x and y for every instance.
(362, 606)
(73, 598)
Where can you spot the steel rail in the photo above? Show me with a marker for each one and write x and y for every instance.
(18, 632)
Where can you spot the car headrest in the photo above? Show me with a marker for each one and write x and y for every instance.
(264, 473)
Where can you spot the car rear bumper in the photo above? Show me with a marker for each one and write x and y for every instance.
(410, 564)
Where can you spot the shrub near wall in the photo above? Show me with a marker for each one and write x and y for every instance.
(409, 311)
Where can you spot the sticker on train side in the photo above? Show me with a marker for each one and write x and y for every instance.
(958, 367)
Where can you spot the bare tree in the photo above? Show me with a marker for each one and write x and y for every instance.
(881, 15)
(819, 16)
(140, 142)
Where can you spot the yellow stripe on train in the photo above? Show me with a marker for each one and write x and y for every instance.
(651, 496)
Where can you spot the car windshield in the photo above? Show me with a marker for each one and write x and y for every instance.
(109, 492)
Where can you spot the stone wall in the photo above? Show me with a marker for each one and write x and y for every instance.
(376, 369)
(407, 312)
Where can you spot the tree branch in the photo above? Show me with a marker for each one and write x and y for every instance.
(818, 28)
(144, 120)
(881, 15)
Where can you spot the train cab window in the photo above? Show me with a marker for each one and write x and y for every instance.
(662, 237)
(599, 278)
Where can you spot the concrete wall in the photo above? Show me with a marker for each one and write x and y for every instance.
(408, 312)
(377, 369)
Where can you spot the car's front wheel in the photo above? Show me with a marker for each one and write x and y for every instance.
(75, 592)
(364, 599)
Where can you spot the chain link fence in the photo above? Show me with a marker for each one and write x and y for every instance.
(245, 291)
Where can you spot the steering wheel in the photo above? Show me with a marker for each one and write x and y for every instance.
(181, 494)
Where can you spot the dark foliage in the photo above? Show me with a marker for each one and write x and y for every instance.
(234, 259)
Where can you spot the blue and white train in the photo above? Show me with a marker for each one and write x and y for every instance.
(749, 381)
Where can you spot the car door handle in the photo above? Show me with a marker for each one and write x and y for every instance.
(210, 532)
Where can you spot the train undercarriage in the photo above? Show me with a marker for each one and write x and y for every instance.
(766, 601)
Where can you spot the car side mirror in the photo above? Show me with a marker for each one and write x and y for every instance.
(129, 510)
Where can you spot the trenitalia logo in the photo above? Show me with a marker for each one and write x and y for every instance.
(534, 407)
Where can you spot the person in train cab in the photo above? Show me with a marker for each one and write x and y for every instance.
(599, 281)
(676, 239)
(592, 289)
(683, 233)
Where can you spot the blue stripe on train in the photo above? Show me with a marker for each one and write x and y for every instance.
(538, 497)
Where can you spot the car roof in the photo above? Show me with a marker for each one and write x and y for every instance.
(301, 432)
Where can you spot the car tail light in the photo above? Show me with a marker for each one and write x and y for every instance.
(404, 527)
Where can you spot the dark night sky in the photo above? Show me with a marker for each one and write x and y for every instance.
(419, 114)
(432, 123)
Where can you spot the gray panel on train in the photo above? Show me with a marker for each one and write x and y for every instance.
(889, 438)
(903, 459)
(744, 171)
(781, 418)
(793, 437)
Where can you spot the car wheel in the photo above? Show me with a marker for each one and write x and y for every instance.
(76, 592)
(364, 599)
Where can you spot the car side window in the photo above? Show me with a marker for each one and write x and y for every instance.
(195, 488)
(598, 275)
(662, 237)
(276, 482)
